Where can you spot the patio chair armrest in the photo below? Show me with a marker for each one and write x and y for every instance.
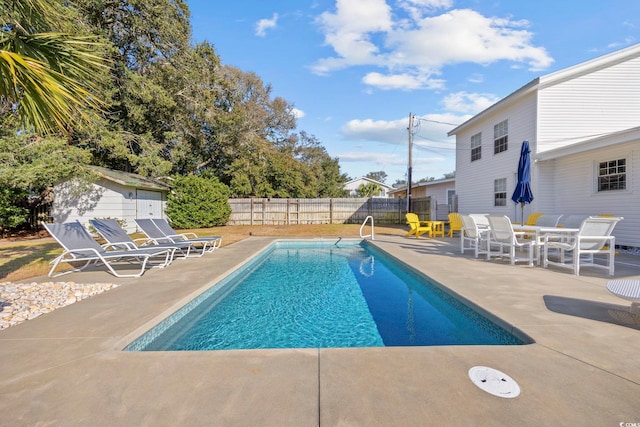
(177, 236)
(604, 239)
(145, 241)
(119, 245)
(189, 233)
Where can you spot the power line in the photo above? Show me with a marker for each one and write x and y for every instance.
(420, 119)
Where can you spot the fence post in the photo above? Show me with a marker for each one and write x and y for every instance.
(331, 211)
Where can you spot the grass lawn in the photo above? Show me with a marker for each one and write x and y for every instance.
(21, 259)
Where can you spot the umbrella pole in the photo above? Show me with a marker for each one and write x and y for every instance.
(522, 213)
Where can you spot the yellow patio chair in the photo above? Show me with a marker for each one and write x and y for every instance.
(532, 218)
(455, 223)
(417, 227)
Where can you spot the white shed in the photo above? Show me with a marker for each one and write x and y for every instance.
(115, 194)
(582, 126)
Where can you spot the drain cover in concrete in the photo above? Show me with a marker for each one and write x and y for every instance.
(494, 382)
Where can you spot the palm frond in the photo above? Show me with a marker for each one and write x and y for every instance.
(46, 99)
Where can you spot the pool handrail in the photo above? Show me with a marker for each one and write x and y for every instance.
(372, 228)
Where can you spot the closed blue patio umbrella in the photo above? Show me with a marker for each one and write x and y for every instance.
(523, 194)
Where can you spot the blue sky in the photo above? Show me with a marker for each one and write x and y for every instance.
(355, 69)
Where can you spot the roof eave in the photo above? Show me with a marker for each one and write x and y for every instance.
(503, 103)
(614, 138)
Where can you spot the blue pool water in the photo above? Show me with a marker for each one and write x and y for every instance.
(318, 295)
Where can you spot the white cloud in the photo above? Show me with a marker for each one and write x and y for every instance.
(390, 132)
(402, 81)
(431, 130)
(414, 42)
(417, 8)
(470, 103)
(349, 32)
(266, 24)
(376, 158)
(298, 114)
(476, 78)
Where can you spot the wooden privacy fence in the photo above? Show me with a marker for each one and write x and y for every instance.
(319, 211)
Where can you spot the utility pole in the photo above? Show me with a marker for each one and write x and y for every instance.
(410, 163)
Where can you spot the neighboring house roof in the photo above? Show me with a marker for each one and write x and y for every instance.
(554, 79)
(372, 181)
(424, 184)
(130, 179)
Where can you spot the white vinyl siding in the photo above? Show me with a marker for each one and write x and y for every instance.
(475, 180)
(106, 199)
(570, 188)
(601, 102)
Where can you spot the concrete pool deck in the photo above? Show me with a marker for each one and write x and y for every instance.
(68, 368)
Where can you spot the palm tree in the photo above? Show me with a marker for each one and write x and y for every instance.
(47, 77)
(369, 189)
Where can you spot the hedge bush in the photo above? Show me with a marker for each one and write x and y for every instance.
(198, 201)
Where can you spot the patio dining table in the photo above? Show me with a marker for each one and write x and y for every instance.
(539, 232)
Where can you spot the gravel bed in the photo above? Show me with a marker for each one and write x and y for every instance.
(20, 302)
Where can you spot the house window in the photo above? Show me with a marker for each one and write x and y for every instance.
(500, 137)
(612, 175)
(500, 192)
(476, 146)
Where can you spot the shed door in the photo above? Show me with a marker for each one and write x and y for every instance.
(149, 204)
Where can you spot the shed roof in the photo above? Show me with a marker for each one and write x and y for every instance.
(130, 179)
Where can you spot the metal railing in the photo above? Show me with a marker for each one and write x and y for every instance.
(372, 228)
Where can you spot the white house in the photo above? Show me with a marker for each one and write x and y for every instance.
(352, 186)
(115, 194)
(583, 127)
(441, 191)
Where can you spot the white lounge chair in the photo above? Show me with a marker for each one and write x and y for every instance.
(473, 236)
(503, 237)
(593, 238)
(161, 231)
(79, 246)
(117, 238)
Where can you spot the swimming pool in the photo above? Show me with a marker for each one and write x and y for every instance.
(323, 294)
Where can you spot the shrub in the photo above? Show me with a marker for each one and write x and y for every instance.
(198, 201)
(11, 215)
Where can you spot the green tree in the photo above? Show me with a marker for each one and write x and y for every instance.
(147, 39)
(49, 70)
(380, 176)
(198, 201)
(368, 190)
(11, 215)
(30, 167)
